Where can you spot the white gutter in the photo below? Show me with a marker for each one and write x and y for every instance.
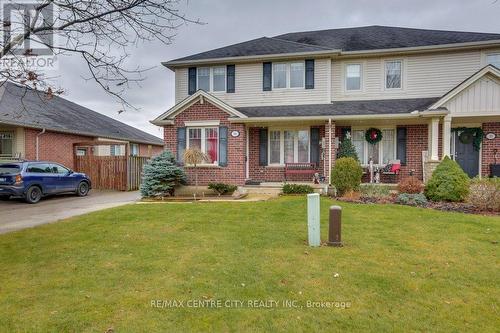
(414, 114)
(37, 143)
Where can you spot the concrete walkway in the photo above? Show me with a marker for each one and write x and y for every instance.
(15, 214)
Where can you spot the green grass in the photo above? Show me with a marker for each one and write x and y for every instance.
(402, 269)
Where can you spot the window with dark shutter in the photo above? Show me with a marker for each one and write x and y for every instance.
(223, 146)
(310, 74)
(267, 77)
(263, 146)
(191, 80)
(181, 144)
(401, 145)
(314, 145)
(230, 77)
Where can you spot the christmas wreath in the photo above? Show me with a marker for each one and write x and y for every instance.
(373, 135)
(468, 135)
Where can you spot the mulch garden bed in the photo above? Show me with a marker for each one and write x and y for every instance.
(460, 207)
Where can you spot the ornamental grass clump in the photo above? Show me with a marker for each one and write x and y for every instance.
(485, 194)
(161, 175)
(346, 175)
(448, 182)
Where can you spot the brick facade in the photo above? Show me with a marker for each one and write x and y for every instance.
(489, 147)
(234, 172)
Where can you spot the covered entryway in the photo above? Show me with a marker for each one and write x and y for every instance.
(465, 154)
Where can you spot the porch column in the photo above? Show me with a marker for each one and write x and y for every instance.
(434, 139)
(446, 136)
(329, 149)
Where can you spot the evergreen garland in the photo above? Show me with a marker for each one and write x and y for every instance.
(476, 132)
(373, 135)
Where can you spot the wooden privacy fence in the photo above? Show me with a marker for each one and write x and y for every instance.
(122, 173)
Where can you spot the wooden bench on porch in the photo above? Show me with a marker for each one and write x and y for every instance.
(300, 169)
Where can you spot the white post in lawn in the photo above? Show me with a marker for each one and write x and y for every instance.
(313, 219)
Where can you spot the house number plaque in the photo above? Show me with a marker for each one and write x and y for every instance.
(235, 134)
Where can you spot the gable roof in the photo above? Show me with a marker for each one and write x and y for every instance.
(367, 38)
(486, 70)
(200, 95)
(21, 106)
(341, 108)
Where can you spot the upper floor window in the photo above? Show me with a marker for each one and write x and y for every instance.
(353, 77)
(393, 74)
(211, 78)
(288, 75)
(493, 59)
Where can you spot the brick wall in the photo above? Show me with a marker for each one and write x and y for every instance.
(234, 172)
(488, 147)
(57, 147)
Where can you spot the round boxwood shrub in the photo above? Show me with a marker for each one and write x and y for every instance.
(161, 175)
(448, 182)
(346, 175)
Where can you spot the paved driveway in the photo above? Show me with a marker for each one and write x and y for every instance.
(16, 215)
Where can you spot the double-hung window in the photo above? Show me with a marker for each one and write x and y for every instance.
(381, 153)
(288, 146)
(211, 78)
(353, 77)
(288, 75)
(6, 142)
(493, 59)
(134, 149)
(393, 74)
(205, 139)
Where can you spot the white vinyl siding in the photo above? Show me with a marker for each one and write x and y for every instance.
(249, 91)
(425, 75)
(482, 97)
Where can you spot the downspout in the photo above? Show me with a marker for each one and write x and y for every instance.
(329, 151)
(37, 144)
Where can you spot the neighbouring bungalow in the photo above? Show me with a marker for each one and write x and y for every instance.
(34, 126)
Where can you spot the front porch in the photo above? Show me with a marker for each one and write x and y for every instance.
(11, 143)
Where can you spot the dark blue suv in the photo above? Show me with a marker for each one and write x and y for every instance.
(34, 179)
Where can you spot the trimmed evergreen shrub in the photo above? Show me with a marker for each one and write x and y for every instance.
(485, 193)
(297, 189)
(347, 149)
(412, 199)
(346, 175)
(161, 175)
(448, 182)
(411, 185)
(222, 188)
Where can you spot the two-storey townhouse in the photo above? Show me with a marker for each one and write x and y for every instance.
(255, 106)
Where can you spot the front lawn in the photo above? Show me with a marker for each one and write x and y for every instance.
(402, 269)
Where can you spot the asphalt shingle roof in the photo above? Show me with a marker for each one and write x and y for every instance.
(341, 108)
(30, 108)
(345, 39)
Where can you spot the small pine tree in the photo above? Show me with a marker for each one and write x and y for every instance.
(161, 175)
(448, 182)
(347, 149)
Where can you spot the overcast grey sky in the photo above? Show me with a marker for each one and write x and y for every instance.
(233, 21)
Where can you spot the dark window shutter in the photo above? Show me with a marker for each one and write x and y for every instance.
(310, 74)
(401, 145)
(230, 78)
(267, 76)
(263, 146)
(223, 146)
(191, 80)
(181, 144)
(314, 145)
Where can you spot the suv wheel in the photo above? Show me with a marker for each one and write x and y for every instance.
(82, 189)
(33, 195)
